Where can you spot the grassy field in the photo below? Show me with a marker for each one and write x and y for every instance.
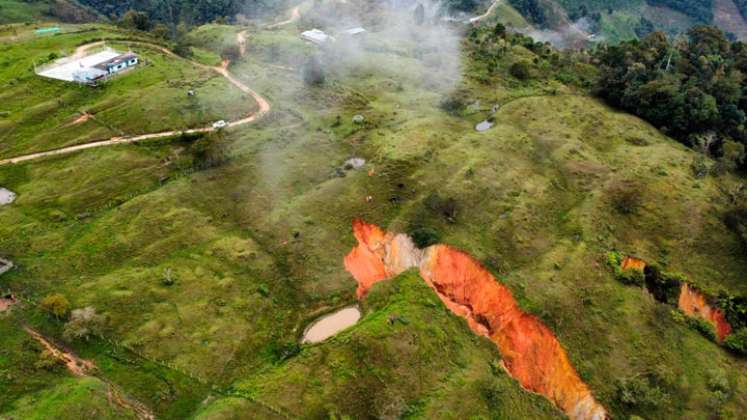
(29, 11)
(41, 114)
(255, 243)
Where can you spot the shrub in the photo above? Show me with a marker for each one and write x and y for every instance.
(664, 286)
(702, 326)
(313, 73)
(453, 104)
(83, 324)
(520, 70)
(737, 341)
(614, 259)
(631, 276)
(626, 197)
(231, 52)
(446, 207)
(425, 237)
(639, 392)
(47, 361)
(56, 304)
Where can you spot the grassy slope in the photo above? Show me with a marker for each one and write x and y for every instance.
(39, 10)
(147, 99)
(535, 204)
(427, 364)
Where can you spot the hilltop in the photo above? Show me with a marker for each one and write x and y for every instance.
(207, 256)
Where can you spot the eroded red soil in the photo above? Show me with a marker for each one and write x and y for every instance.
(695, 304)
(531, 352)
(692, 302)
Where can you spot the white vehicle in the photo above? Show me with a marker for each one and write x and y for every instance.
(220, 124)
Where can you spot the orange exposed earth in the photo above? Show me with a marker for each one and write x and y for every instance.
(695, 304)
(692, 302)
(531, 352)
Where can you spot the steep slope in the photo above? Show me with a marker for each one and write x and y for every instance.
(71, 11)
(531, 353)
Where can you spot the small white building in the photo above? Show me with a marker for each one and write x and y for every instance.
(91, 68)
(316, 36)
(118, 63)
(353, 31)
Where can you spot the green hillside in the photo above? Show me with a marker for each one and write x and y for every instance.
(209, 256)
(44, 10)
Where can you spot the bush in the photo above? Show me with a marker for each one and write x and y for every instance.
(631, 276)
(83, 324)
(626, 197)
(453, 104)
(664, 286)
(521, 70)
(425, 237)
(639, 392)
(231, 52)
(313, 73)
(56, 304)
(737, 341)
(47, 361)
(446, 207)
(702, 326)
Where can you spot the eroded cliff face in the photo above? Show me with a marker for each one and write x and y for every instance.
(692, 302)
(531, 353)
(379, 255)
(695, 304)
(632, 263)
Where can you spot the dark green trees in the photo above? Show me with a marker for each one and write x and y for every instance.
(693, 88)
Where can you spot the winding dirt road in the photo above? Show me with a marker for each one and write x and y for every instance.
(264, 108)
(487, 13)
(295, 15)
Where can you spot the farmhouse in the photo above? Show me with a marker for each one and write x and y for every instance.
(90, 69)
(353, 31)
(316, 36)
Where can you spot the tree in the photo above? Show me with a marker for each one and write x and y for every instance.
(134, 19)
(520, 70)
(83, 324)
(499, 30)
(231, 52)
(419, 14)
(56, 304)
(313, 73)
(161, 31)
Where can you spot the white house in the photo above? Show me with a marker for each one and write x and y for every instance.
(91, 68)
(316, 36)
(353, 31)
(118, 63)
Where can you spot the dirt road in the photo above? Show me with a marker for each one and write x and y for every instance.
(86, 368)
(264, 108)
(295, 15)
(487, 13)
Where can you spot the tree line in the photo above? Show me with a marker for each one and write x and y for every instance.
(172, 12)
(692, 88)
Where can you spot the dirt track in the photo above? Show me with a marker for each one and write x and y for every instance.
(295, 15)
(487, 13)
(264, 108)
(86, 368)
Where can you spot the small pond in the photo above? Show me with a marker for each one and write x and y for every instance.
(484, 125)
(6, 196)
(331, 324)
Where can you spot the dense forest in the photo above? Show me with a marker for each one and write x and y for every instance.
(190, 11)
(700, 10)
(530, 9)
(692, 88)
